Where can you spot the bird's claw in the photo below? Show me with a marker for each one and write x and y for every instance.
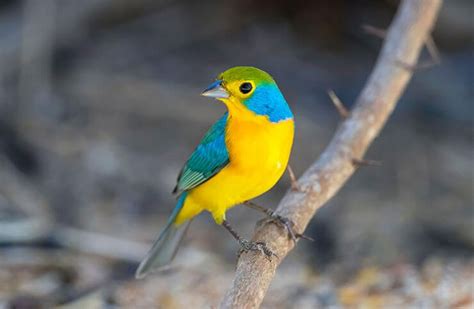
(289, 226)
(246, 246)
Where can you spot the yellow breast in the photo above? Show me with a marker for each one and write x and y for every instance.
(259, 151)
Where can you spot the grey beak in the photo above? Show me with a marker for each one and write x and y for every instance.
(215, 90)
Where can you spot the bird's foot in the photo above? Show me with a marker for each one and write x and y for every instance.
(259, 246)
(289, 226)
(278, 220)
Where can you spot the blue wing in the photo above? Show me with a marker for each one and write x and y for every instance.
(209, 157)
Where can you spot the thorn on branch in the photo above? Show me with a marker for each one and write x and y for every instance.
(431, 47)
(416, 67)
(364, 162)
(342, 110)
(433, 50)
(305, 237)
(435, 58)
(375, 31)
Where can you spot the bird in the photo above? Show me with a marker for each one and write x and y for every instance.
(243, 155)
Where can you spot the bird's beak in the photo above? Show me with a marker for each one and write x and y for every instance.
(215, 90)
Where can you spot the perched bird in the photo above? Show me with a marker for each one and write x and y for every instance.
(242, 156)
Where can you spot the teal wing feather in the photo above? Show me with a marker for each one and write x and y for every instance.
(207, 160)
(209, 157)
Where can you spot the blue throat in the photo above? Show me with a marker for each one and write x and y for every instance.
(267, 100)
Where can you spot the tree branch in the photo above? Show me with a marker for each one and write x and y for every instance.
(403, 43)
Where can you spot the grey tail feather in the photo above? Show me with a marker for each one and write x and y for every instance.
(163, 250)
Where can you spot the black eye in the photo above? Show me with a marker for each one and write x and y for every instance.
(245, 88)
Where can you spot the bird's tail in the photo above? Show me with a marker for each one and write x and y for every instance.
(165, 247)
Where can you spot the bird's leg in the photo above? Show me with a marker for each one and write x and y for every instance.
(280, 220)
(249, 245)
(267, 211)
(295, 186)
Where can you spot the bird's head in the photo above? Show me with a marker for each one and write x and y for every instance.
(250, 89)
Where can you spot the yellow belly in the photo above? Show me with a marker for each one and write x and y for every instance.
(259, 151)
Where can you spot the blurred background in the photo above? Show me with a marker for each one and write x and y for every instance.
(100, 107)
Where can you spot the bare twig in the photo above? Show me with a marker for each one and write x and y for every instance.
(342, 110)
(404, 40)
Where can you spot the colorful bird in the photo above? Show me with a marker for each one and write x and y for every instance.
(242, 156)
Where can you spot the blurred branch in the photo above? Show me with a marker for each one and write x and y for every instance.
(34, 217)
(100, 244)
(403, 43)
(34, 222)
(24, 230)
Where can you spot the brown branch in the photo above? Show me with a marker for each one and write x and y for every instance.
(405, 38)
